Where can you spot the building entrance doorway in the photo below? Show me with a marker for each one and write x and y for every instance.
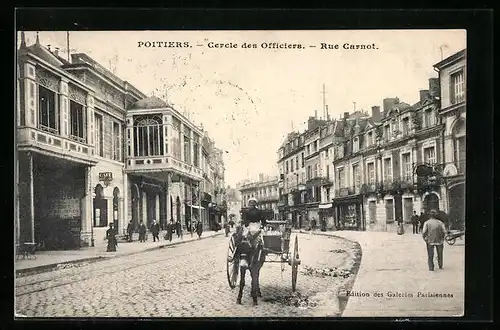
(431, 202)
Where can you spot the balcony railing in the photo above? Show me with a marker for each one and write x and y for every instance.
(347, 191)
(36, 137)
(162, 163)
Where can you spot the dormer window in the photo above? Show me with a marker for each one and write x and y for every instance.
(355, 144)
(387, 132)
(406, 126)
(369, 139)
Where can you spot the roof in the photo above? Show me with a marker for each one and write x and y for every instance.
(450, 59)
(38, 50)
(151, 102)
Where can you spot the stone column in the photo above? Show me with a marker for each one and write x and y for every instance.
(144, 208)
(63, 108)
(90, 120)
(157, 208)
(32, 197)
(30, 95)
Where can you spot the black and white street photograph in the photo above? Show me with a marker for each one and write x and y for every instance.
(252, 173)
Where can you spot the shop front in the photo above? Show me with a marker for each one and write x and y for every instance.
(326, 215)
(349, 213)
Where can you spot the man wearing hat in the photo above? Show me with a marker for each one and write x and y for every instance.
(253, 219)
(433, 234)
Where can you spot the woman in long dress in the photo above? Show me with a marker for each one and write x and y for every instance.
(111, 237)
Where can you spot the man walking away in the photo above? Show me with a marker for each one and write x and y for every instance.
(421, 219)
(155, 231)
(415, 222)
(142, 232)
(130, 231)
(433, 234)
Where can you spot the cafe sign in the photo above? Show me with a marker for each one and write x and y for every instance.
(105, 176)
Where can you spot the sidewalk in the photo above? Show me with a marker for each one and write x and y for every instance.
(47, 260)
(396, 266)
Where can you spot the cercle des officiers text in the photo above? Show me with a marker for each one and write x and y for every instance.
(146, 44)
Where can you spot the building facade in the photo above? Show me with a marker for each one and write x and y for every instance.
(91, 150)
(265, 190)
(452, 111)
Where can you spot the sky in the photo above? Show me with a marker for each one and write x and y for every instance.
(249, 99)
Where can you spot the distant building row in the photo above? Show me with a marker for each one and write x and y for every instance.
(360, 172)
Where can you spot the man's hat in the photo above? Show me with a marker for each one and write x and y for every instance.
(252, 199)
(433, 213)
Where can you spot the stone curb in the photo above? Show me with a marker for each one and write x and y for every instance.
(49, 267)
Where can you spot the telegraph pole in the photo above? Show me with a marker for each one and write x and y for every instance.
(324, 101)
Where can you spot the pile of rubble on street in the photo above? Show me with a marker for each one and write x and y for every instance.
(325, 272)
(295, 299)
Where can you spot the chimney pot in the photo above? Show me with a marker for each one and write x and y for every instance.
(376, 113)
(346, 115)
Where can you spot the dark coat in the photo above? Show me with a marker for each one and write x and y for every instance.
(155, 229)
(112, 242)
(130, 228)
(142, 229)
(253, 215)
(414, 219)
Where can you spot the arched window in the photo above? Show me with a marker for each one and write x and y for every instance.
(459, 145)
(148, 136)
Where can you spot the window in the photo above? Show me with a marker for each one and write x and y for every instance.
(356, 176)
(326, 153)
(196, 149)
(303, 177)
(303, 163)
(286, 166)
(47, 110)
(457, 87)
(327, 193)
(388, 169)
(328, 171)
(387, 132)
(369, 139)
(406, 126)
(428, 118)
(148, 136)
(406, 166)
(117, 142)
(355, 145)
(309, 172)
(315, 146)
(291, 165)
(308, 149)
(187, 145)
(371, 173)
(430, 155)
(316, 170)
(99, 142)
(341, 178)
(78, 122)
(176, 138)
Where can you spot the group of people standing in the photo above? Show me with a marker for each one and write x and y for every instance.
(171, 228)
(417, 222)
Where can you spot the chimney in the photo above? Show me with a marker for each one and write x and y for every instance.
(434, 88)
(327, 114)
(315, 114)
(389, 104)
(23, 40)
(424, 95)
(346, 115)
(376, 113)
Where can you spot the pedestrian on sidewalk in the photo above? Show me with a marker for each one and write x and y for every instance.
(415, 222)
(199, 228)
(178, 228)
(170, 230)
(422, 218)
(130, 231)
(155, 231)
(313, 224)
(433, 234)
(142, 232)
(111, 237)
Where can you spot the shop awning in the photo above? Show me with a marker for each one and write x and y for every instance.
(325, 206)
(196, 207)
(348, 199)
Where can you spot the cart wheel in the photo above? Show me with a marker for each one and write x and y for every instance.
(295, 262)
(450, 240)
(233, 264)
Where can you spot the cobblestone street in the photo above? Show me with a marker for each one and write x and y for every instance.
(189, 280)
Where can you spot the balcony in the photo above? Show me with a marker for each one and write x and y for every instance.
(347, 191)
(371, 188)
(161, 164)
(269, 198)
(326, 181)
(48, 142)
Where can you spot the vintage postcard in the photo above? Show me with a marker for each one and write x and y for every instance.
(240, 173)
